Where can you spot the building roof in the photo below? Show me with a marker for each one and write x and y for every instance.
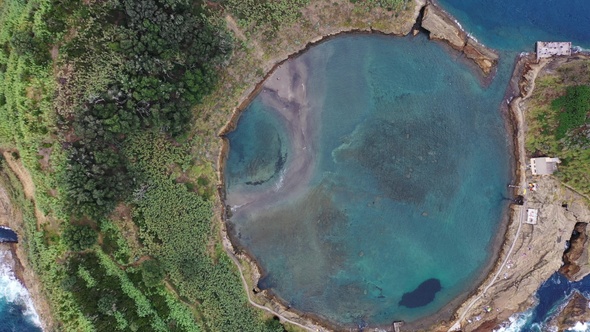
(531, 216)
(549, 49)
(544, 166)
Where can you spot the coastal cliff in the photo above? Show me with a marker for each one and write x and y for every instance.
(577, 310)
(19, 264)
(442, 27)
(576, 255)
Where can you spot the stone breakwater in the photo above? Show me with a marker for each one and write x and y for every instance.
(442, 26)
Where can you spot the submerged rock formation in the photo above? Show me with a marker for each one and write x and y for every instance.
(576, 255)
(442, 27)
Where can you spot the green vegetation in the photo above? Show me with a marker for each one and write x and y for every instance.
(559, 122)
(113, 108)
(267, 15)
(572, 110)
(79, 237)
(394, 5)
(97, 98)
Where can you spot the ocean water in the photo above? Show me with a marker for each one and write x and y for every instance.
(7, 235)
(393, 214)
(517, 24)
(17, 313)
(552, 296)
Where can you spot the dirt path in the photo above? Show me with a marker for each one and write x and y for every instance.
(531, 253)
(272, 312)
(27, 181)
(233, 26)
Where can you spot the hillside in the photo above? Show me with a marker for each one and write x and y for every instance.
(109, 114)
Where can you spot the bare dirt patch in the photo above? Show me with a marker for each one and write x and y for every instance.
(28, 186)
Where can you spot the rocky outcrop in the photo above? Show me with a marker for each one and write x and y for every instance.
(526, 83)
(441, 26)
(576, 310)
(576, 255)
(536, 255)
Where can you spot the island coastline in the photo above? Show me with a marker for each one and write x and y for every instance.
(12, 218)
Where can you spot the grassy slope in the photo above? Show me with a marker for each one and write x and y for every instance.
(542, 120)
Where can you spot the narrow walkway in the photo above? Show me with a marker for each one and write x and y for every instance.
(27, 182)
(521, 216)
(283, 318)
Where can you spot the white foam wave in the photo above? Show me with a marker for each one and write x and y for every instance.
(516, 322)
(472, 37)
(11, 290)
(235, 207)
(580, 327)
(279, 183)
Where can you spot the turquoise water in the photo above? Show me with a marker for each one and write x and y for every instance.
(404, 182)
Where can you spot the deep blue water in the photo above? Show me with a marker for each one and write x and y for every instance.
(7, 235)
(517, 24)
(552, 296)
(14, 318)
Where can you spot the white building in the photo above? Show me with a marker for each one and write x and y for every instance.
(544, 166)
(531, 216)
(549, 49)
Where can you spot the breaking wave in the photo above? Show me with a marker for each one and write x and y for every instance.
(16, 305)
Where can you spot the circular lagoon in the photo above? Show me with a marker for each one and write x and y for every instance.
(368, 179)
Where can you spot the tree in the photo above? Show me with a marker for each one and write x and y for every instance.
(79, 237)
(152, 273)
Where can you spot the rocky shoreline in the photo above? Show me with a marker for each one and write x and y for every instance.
(576, 310)
(12, 218)
(443, 27)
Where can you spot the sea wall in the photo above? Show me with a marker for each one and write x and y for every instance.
(442, 26)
